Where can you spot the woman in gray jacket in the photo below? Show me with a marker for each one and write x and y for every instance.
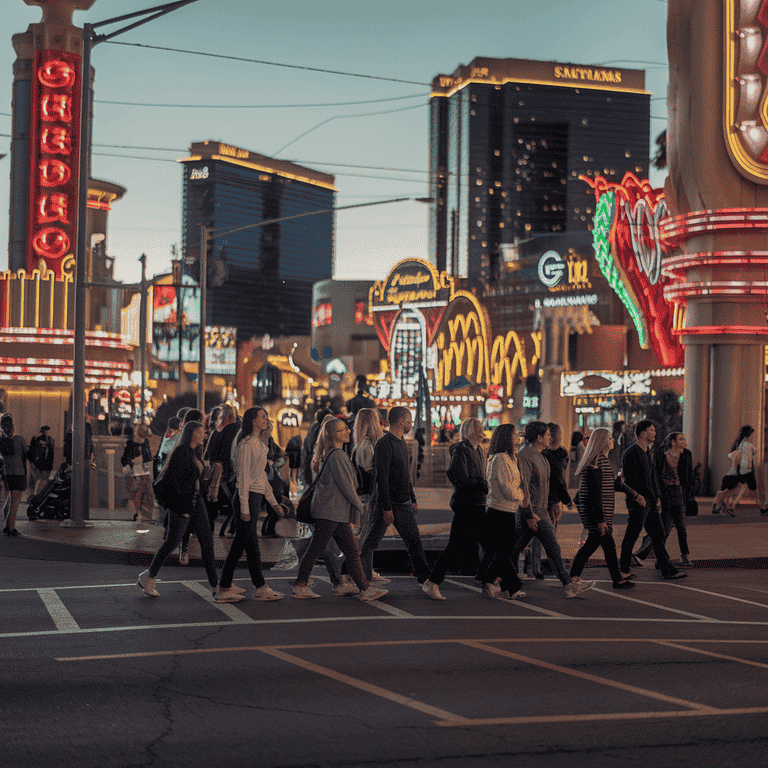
(335, 507)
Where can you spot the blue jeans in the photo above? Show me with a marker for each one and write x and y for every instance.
(545, 533)
(405, 524)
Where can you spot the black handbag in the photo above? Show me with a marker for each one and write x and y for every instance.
(691, 507)
(303, 513)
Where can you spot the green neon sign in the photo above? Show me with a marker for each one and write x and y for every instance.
(604, 213)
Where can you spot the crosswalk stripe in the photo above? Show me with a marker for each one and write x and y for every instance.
(62, 618)
(229, 610)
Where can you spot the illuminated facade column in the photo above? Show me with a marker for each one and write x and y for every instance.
(554, 408)
(54, 99)
(717, 192)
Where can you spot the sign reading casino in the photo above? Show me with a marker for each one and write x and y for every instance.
(54, 157)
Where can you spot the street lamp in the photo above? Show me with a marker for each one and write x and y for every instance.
(90, 39)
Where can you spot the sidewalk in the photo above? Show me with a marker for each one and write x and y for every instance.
(715, 541)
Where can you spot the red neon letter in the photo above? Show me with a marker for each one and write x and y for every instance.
(51, 243)
(53, 173)
(52, 208)
(56, 106)
(57, 141)
(56, 74)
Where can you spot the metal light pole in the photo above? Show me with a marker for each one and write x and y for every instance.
(143, 331)
(77, 519)
(203, 303)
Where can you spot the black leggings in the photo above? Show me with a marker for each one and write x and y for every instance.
(594, 540)
(177, 526)
(343, 536)
(498, 559)
(246, 540)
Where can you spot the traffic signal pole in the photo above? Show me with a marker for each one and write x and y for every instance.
(90, 38)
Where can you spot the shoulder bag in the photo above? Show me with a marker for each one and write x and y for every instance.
(303, 513)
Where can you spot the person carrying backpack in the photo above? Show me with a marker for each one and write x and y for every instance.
(40, 457)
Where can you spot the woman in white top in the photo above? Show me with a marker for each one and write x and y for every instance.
(505, 495)
(741, 475)
(252, 486)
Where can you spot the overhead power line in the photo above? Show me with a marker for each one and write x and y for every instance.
(256, 106)
(269, 63)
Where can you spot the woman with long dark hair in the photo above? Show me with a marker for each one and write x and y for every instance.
(505, 495)
(181, 479)
(597, 503)
(13, 448)
(335, 506)
(252, 487)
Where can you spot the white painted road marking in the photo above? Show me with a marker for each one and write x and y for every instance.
(62, 618)
(234, 613)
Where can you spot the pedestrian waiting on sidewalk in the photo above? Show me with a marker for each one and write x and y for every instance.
(13, 449)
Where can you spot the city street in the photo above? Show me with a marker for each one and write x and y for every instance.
(95, 673)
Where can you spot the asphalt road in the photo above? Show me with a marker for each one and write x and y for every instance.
(93, 673)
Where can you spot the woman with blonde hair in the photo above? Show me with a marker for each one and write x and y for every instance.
(335, 506)
(597, 501)
(466, 472)
(367, 431)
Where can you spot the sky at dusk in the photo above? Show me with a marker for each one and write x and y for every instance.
(377, 150)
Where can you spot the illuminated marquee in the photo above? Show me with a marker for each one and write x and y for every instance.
(413, 283)
(54, 156)
(745, 86)
(629, 253)
(601, 383)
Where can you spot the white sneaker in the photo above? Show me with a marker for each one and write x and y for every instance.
(377, 578)
(266, 593)
(147, 583)
(577, 587)
(183, 557)
(303, 593)
(519, 595)
(431, 590)
(345, 589)
(491, 590)
(228, 596)
(373, 593)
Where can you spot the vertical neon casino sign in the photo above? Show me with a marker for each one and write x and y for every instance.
(54, 155)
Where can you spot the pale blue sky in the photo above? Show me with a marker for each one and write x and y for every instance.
(413, 40)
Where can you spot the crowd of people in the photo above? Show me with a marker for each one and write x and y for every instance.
(507, 500)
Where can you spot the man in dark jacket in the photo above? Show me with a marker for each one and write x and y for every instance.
(40, 456)
(676, 486)
(393, 501)
(642, 502)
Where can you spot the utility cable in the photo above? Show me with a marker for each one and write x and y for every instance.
(269, 63)
(257, 106)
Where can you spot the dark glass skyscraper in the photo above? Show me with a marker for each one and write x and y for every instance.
(509, 139)
(269, 269)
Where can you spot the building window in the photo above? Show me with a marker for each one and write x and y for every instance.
(361, 315)
(323, 315)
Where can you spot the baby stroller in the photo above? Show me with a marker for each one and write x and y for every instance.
(53, 502)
